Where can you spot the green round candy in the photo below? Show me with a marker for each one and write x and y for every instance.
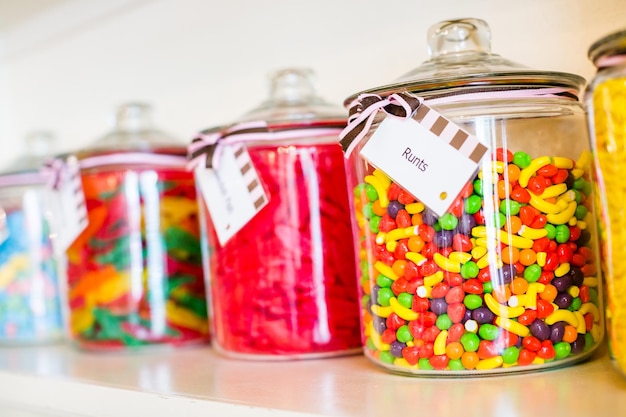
(386, 357)
(562, 350)
(487, 287)
(370, 192)
(359, 190)
(456, 365)
(532, 273)
(405, 299)
(424, 363)
(577, 196)
(499, 220)
(470, 342)
(593, 296)
(375, 224)
(579, 183)
(521, 159)
(581, 212)
(587, 188)
(562, 233)
(437, 227)
(403, 334)
(443, 322)
(448, 221)
(551, 231)
(589, 342)
(510, 355)
(488, 331)
(509, 207)
(365, 300)
(384, 294)
(368, 211)
(473, 203)
(478, 187)
(383, 281)
(469, 270)
(472, 301)
(576, 304)
(369, 343)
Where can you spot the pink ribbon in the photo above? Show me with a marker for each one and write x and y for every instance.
(363, 112)
(206, 146)
(364, 109)
(610, 61)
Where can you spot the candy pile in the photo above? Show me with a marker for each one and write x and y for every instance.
(609, 102)
(505, 278)
(135, 273)
(284, 285)
(30, 308)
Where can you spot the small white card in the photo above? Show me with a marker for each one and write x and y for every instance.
(70, 199)
(233, 192)
(432, 158)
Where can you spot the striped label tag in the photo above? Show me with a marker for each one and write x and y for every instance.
(233, 192)
(70, 198)
(428, 155)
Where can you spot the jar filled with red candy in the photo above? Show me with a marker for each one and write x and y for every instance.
(275, 214)
(30, 277)
(472, 193)
(134, 265)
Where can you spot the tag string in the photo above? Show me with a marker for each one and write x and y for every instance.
(206, 146)
(365, 108)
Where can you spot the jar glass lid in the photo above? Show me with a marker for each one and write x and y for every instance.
(606, 47)
(293, 98)
(134, 131)
(461, 62)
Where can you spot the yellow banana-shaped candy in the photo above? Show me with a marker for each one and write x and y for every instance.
(446, 264)
(562, 315)
(380, 188)
(386, 270)
(564, 216)
(512, 326)
(502, 310)
(439, 345)
(402, 311)
(531, 169)
(530, 233)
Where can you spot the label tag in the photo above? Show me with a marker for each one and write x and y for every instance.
(69, 199)
(233, 192)
(429, 156)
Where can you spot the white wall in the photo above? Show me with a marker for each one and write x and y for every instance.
(203, 62)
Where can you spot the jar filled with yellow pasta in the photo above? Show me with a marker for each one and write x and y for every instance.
(606, 102)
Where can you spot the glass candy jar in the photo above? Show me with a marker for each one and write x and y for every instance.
(606, 102)
(30, 292)
(282, 283)
(135, 270)
(503, 277)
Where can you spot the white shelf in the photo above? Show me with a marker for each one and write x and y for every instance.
(61, 381)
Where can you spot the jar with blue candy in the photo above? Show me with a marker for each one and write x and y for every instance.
(30, 294)
(472, 187)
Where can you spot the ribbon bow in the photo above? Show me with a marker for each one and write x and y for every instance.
(364, 110)
(206, 144)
